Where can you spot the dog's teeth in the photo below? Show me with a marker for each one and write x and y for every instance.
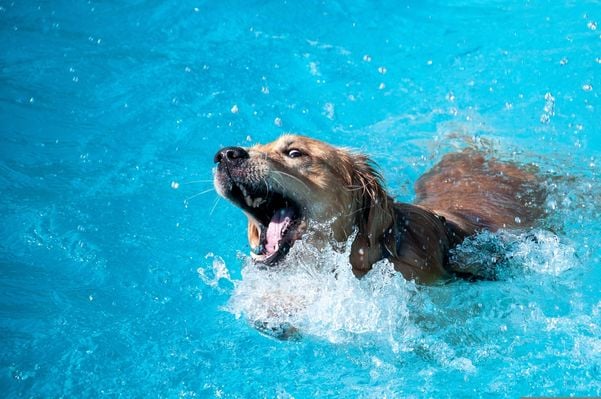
(249, 201)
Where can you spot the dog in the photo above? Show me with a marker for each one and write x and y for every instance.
(301, 188)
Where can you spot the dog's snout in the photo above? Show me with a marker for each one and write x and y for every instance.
(230, 154)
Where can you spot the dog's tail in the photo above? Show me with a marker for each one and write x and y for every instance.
(478, 193)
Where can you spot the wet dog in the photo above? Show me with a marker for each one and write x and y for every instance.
(297, 187)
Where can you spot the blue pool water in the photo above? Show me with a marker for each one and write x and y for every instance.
(121, 273)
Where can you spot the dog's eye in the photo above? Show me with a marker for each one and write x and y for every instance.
(294, 153)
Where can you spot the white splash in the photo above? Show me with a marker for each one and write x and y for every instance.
(543, 252)
(315, 292)
(217, 273)
(494, 255)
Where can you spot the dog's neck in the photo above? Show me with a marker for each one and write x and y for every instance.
(416, 240)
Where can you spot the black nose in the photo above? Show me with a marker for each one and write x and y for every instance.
(230, 153)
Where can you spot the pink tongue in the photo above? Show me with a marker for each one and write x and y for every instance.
(277, 225)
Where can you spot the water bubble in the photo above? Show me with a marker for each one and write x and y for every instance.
(217, 272)
(563, 61)
(234, 109)
(278, 122)
(592, 25)
(174, 185)
(329, 110)
(549, 108)
(382, 70)
(587, 87)
(382, 86)
(367, 58)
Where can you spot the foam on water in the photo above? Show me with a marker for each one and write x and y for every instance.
(314, 292)
(506, 253)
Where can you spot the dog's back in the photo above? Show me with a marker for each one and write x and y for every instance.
(478, 193)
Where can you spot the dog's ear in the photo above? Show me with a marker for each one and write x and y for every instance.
(373, 213)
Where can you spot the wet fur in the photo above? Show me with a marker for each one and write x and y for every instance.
(461, 195)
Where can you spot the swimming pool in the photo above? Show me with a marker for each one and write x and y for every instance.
(121, 271)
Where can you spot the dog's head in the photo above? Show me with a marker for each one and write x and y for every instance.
(297, 184)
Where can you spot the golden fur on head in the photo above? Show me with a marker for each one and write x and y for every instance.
(334, 189)
(337, 188)
(298, 184)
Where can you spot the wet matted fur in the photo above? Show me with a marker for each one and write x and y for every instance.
(298, 187)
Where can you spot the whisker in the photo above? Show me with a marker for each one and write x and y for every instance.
(197, 181)
(214, 206)
(279, 183)
(267, 185)
(292, 177)
(200, 193)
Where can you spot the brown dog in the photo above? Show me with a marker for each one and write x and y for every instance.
(297, 185)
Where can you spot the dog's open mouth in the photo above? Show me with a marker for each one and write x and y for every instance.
(277, 217)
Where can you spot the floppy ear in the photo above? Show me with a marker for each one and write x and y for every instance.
(373, 214)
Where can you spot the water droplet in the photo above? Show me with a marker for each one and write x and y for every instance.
(518, 220)
(367, 58)
(587, 87)
(563, 61)
(174, 185)
(329, 110)
(549, 108)
(234, 109)
(592, 25)
(278, 122)
(382, 86)
(382, 70)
